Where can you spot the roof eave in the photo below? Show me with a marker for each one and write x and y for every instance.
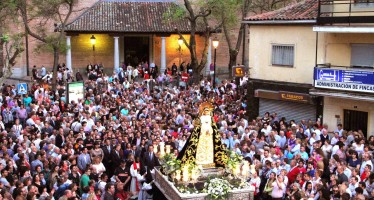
(277, 22)
(123, 31)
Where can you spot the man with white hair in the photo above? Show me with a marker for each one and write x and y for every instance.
(366, 160)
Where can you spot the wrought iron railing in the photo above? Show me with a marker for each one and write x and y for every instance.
(345, 11)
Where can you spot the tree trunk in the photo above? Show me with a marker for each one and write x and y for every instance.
(56, 56)
(233, 56)
(1, 58)
(195, 68)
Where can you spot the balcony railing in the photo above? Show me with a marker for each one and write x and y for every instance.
(345, 11)
(353, 68)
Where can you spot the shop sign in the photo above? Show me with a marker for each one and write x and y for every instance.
(288, 96)
(348, 80)
(238, 71)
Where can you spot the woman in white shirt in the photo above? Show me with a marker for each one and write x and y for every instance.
(278, 188)
(327, 148)
(358, 146)
(255, 181)
(17, 128)
(98, 166)
(312, 139)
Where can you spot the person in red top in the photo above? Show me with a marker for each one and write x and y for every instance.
(301, 166)
(146, 75)
(175, 134)
(185, 77)
(366, 173)
(294, 171)
(215, 118)
(121, 193)
(168, 72)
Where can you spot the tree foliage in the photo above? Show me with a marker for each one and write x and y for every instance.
(197, 15)
(231, 12)
(11, 45)
(41, 14)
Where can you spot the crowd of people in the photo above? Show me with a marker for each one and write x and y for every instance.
(308, 160)
(102, 146)
(97, 147)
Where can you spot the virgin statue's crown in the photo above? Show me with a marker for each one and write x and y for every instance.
(206, 108)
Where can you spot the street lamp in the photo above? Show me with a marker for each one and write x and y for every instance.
(215, 45)
(93, 42)
(180, 42)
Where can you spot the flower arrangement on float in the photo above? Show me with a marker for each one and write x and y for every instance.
(190, 179)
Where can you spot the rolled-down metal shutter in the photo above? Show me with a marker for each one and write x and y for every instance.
(289, 110)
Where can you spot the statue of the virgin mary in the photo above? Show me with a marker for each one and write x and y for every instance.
(204, 146)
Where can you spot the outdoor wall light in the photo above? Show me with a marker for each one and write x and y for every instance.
(93, 42)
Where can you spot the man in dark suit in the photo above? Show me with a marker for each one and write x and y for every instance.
(116, 156)
(121, 76)
(137, 140)
(107, 161)
(53, 122)
(324, 136)
(150, 160)
(60, 138)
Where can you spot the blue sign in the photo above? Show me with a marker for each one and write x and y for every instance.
(350, 80)
(22, 88)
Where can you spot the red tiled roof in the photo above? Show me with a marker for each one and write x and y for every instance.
(305, 10)
(128, 16)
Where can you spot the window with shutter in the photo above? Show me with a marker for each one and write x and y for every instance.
(363, 4)
(283, 55)
(362, 55)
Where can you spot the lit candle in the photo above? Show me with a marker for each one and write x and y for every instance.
(236, 170)
(253, 169)
(178, 175)
(185, 176)
(155, 150)
(162, 150)
(245, 168)
(167, 149)
(194, 175)
(185, 173)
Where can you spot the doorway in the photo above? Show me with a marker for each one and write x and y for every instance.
(356, 120)
(136, 50)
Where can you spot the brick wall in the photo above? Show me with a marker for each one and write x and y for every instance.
(172, 50)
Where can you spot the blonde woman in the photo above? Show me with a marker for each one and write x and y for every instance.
(269, 186)
(98, 166)
(97, 152)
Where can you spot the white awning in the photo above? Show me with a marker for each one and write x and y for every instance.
(342, 95)
(344, 29)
